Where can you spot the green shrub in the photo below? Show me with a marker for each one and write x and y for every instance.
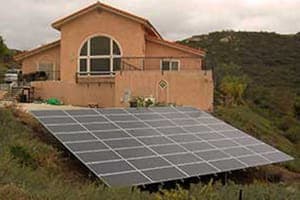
(293, 134)
(21, 154)
(173, 194)
(233, 89)
(141, 102)
(286, 122)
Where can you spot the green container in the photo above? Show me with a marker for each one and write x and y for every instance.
(53, 101)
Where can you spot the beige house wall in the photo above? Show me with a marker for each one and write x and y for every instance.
(187, 62)
(75, 94)
(129, 35)
(189, 88)
(30, 64)
(183, 88)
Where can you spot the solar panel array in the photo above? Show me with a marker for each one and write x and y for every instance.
(137, 146)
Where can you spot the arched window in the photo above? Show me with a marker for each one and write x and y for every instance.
(99, 55)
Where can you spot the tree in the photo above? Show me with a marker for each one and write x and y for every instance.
(222, 70)
(233, 89)
(3, 49)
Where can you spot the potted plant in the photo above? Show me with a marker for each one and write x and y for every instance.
(133, 102)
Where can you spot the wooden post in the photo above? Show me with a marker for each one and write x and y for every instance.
(143, 67)
(241, 194)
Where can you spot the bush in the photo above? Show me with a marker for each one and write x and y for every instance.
(293, 134)
(11, 191)
(224, 70)
(23, 156)
(141, 102)
(174, 194)
(286, 122)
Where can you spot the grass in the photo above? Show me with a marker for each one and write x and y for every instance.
(33, 167)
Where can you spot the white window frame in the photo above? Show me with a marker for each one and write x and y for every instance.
(170, 64)
(88, 57)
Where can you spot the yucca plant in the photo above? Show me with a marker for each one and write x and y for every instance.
(233, 89)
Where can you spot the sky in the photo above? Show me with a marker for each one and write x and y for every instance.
(25, 24)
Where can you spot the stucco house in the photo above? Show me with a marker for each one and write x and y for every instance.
(106, 56)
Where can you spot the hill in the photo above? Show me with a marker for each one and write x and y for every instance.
(270, 59)
(257, 84)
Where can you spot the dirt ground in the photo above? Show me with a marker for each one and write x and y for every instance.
(2, 94)
(39, 106)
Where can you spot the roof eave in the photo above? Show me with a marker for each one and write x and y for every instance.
(22, 56)
(59, 23)
(174, 45)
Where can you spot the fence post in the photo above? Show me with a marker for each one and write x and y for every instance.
(241, 194)
(122, 66)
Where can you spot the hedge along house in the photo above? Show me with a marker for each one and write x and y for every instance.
(106, 56)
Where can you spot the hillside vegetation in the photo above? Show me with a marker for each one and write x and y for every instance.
(257, 84)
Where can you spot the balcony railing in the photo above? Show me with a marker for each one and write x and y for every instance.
(155, 63)
(175, 64)
(95, 77)
(41, 76)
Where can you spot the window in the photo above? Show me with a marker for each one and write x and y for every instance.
(99, 55)
(48, 68)
(169, 65)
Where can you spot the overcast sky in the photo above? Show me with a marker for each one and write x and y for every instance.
(26, 23)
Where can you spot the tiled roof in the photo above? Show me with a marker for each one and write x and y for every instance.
(31, 52)
(57, 24)
(176, 46)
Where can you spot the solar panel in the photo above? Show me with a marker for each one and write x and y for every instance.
(137, 146)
